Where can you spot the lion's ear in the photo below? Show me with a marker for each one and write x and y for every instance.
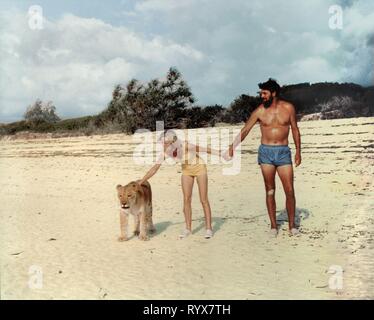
(118, 186)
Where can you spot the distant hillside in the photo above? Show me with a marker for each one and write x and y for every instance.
(319, 100)
(140, 105)
(332, 100)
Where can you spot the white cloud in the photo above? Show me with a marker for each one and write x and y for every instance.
(314, 67)
(162, 5)
(76, 62)
(358, 30)
(223, 49)
(248, 41)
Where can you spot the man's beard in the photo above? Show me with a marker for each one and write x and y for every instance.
(268, 103)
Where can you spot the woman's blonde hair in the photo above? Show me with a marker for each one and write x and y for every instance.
(168, 135)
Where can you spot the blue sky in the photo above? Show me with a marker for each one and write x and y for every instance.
(106, 10)
(223, 49)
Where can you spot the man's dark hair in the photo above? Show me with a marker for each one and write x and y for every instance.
(271, 85)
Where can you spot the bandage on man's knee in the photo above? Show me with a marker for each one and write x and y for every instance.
(271, 192)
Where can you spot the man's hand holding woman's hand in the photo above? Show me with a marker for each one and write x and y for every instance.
(228, 154)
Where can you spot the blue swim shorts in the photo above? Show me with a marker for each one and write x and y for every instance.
(274, 155)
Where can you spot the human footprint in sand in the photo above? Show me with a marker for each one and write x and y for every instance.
(274, 155)
(193, 167)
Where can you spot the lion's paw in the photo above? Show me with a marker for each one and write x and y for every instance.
(143, 237)
(122, 239)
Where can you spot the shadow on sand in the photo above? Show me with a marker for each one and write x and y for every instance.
(300, 214)
(216, 225)
(217, 222)
(161, 227)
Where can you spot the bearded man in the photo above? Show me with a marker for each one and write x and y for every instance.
(276, 117)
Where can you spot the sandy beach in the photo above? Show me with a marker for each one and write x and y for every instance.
(60, 215)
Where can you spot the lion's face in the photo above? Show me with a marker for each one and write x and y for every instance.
(128, 193)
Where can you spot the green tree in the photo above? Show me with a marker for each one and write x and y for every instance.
(241, 108)
(177, 97)
(40, 112)
(140, 106)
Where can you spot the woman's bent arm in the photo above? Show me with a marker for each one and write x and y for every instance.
(151, 172)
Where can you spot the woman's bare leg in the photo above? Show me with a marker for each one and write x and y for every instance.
(187, 185)
(202, 182)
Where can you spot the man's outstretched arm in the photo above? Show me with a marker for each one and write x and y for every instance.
(244, 132)
(295, 134)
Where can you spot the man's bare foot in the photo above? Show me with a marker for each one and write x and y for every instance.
(274, 232)
(294, 231)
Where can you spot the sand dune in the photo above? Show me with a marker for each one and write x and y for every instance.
(59, 213)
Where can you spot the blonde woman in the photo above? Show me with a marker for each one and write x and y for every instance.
(193, 167)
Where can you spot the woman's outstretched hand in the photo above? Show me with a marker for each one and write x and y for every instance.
(228, 154)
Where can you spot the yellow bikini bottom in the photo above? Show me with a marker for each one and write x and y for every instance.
(194, 169)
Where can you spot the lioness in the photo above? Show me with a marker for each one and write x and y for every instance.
(137, 200)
